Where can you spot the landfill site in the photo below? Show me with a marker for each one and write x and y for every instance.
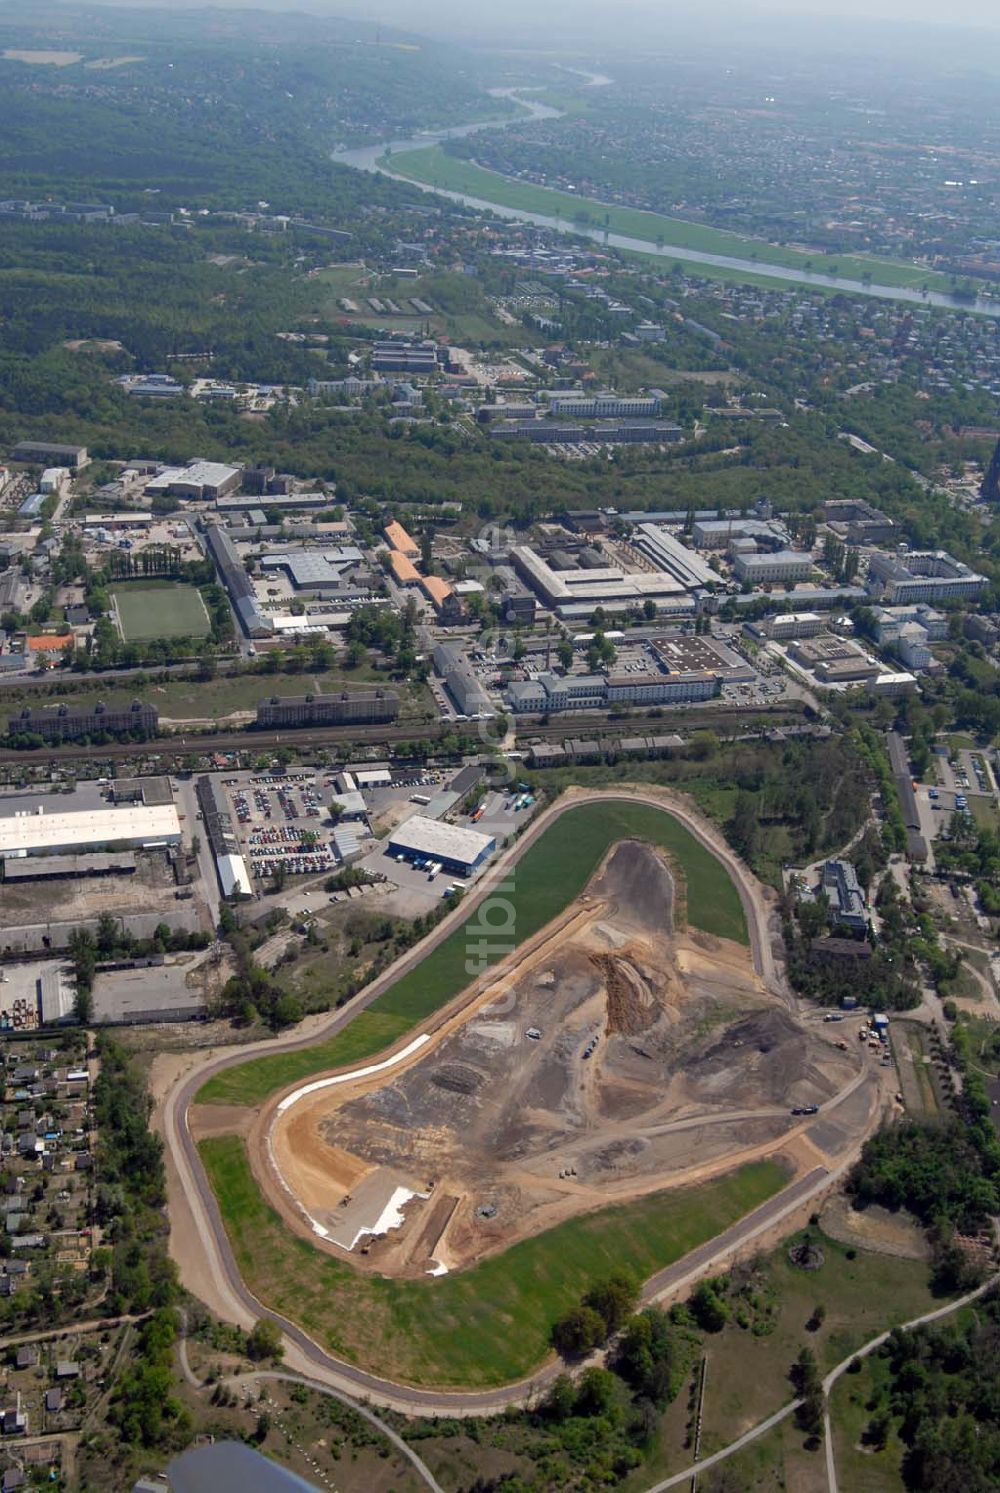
(614, 1055)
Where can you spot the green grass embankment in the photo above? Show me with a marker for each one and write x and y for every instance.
(482, 1327)
(436, 168)
(553, 871)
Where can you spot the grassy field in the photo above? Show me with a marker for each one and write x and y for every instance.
(435, 167)
(160, 609)
(551, 873)
(214, 699)
(985, 812)
(484, 1326)
(748, 1365)
(859, 1465)
(909, 1040)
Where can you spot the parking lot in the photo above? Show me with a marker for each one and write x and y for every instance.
(283, 822)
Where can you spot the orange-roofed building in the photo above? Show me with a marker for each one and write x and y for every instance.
(49, 642)
(404, 570)
(401, 541)
(436, 590)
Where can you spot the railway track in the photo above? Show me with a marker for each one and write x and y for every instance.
(181, 742)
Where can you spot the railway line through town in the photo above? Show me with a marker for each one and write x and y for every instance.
(193, 742)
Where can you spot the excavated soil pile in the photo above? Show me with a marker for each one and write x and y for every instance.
(621, 1056)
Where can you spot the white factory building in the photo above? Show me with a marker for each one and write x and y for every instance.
(456, 848)
(137, 826)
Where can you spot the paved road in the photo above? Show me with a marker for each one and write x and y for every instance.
(740, 1234)
(211, 1270)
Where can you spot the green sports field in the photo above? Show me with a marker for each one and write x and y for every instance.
(484, 1326)
(435, 167)
(160, 610)
(553, 871)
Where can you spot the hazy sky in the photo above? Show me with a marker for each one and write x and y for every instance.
(616, 15)
(651, 14)
(953, 34)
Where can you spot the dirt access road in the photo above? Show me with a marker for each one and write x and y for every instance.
(198, 1238)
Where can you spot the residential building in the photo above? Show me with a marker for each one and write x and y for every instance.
(346, 707)
(71, 723)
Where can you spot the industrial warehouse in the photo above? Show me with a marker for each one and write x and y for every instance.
(50, 834)
(451, 846)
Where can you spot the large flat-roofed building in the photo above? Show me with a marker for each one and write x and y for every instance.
(456, 848)
(346, 707)
(782, 567)
(55, 834)
(199, 481)
(572, 593)
(315, 570)
(680, 653)
(50, 453)
(72, 723)
(68, 867)
(922, 575)
(598, 432)
(146, 994)
(405, 357)
(285, 502)
(603, 406)
(834, 660)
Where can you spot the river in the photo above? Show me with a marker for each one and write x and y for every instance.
(373, 158)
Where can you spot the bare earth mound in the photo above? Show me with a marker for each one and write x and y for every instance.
(613, 1056)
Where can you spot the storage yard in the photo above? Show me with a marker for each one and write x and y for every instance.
(618, 1053)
